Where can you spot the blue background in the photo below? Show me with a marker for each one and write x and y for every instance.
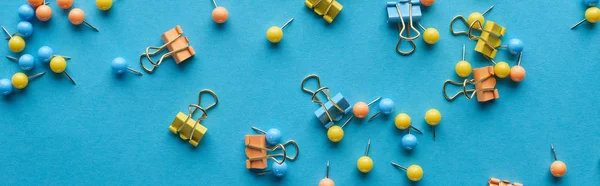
(109, 129)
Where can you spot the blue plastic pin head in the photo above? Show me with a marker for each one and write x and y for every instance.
(386, 106)
(26, 62)
(515, 46)
(279, 170)
(590, 2)
(409, 141)
(26, 12)
(6, 86)
(273, 137)
(25, 28)
(45, 54)
(119, 65)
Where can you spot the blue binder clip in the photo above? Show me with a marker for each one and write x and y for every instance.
(331, 111)
(402, 12)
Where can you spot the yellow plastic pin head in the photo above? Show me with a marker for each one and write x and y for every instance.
(364, 164)
(431, 36)
(20, 80)
(16, 44)
(501, 69)
(463, 69)
(104, 4)
(274, 34)
(433, 117)
(473, 17)
(592, 14)
(402, 121)
(335, 133)
(58, 64)
(414, 172)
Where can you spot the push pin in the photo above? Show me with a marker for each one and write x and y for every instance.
(77, 16)
(177, 44)
(16, 43)
(25, 28)
(219, 14)
(365, 163)
(475, 16)
(65, 4)
(592, 15)
(26, 12)
(433, 117)
(427, 2)
(403, 121)
(413, 172)
(501, 69)
(5, 86)
(517, 73)
(331, 111)
(275, 34)
(26, 61)
(104, 5)
(386, 107)
(45, 54)
(272, 136)
(43, 12)
(58, 64)
(184, 125)
(329, 9)
(515, 46)
(36, 3)
(463, 68)
(119, 65)
(558, 168)
(361, 110)
(326, 181)
(20, 80)
(430, 35)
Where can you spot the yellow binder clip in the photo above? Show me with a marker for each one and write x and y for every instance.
(489, 40)
(329, 9)
(177, 44)
(188, 129)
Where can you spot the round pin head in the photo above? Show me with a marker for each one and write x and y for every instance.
(360, 110)
(20, 80)
(515, 46)
(25, 28)
(274, 34)
(592, 14)
(409, 141)
(433, 117)
(414, 172)
(364, 164)
(64, 4)
(279, 170)
(5, 86)
(473, 17)
(427, 2)
(501, 69)
(220, 14)
(58, 64)
(463, 68)
(76, 16)
(386, 106)
(43, 13)
(26, 12)
(119, 65)
(273, 137)
(558, 168)
(26, 62)
(326, 182)
(45, 53)
(35, 3)
(402, 121)
(517, 73)
(590, 2)
(16, 44)
(104, 4)
(431, 36)
(335, 133)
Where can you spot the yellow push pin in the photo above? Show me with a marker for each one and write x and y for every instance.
(430, 35)
(104, 4)
(413, 172)
(58, 64)
(463, 68)
(275, 34)
(20, 80)
(433, 118)
(501, 69)
(326, 181)
(478, 16)
(16, 43)
(592, 15)
(364, 163)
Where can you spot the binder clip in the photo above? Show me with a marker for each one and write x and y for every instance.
(177, 44)
(408, 12)
(329, 9)
(331, 111)
(256, 151)
(497, 182)
(484, 82)
(188, 129)
(489, 40)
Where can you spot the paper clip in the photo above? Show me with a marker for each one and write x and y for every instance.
(329, 9)
(497, 182)
(331, 111)
(188, 129)
(484, 82)
(177, 44)
(256, 151)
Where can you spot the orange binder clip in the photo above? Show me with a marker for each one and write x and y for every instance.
(484, 81)
(177, 44)
(188, 128)
(256, 151)
(497, 182)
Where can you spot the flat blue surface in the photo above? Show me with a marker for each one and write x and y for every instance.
(111, 130)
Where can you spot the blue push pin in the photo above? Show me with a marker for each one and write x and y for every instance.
(26, 61)
(6, 86)
(45, 54)
(386, 107)
(25, 28)
(119, 65)
(273, 136)
(590, 2)
(515, 46)
(26, 12)
(409, 141)
(279, 170)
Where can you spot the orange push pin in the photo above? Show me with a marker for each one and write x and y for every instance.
(326, 181)
(361, 110)
(64, 4)
(77, 16)
(43, 12)
(558, 168)
(517, 73)
(219, 14)
(35, 3)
